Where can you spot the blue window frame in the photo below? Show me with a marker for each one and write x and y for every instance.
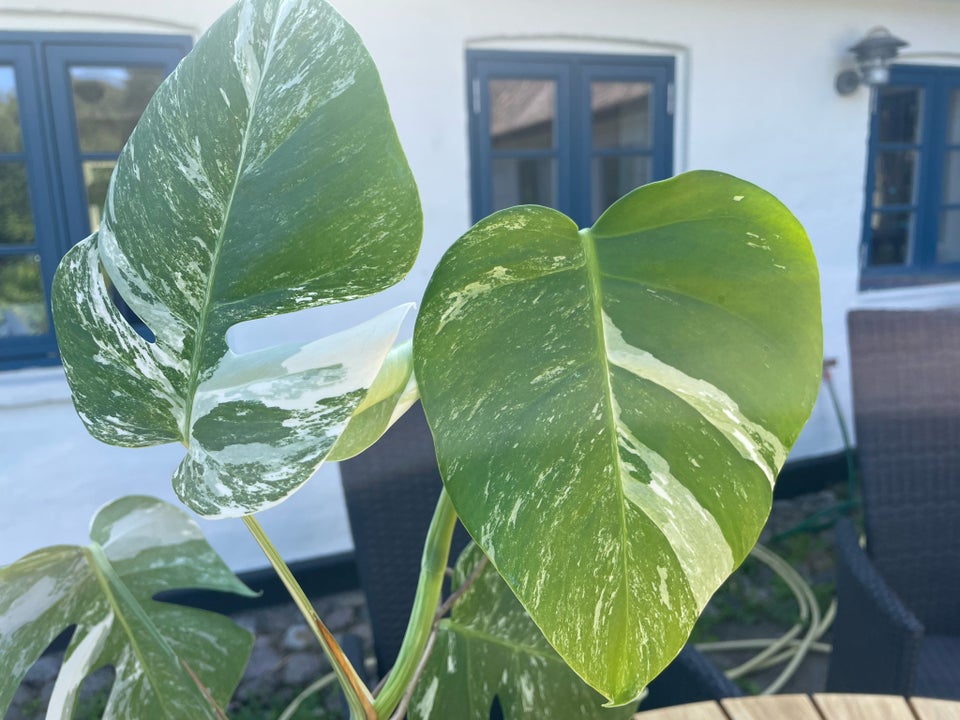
(67, 104)
(573, 132)
(911, 224)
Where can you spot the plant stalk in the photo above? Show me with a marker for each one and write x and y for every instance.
(436, 553)
(358, 696)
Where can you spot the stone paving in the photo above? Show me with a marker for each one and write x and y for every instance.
(285, 658)
(286, 655)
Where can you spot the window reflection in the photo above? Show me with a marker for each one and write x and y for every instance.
(621, 115)
(615, 176)
(16, 218)
(522, 114)
(896, 178)
(891, 238)
(22, 307)
(898, 114)
(108, 102)
(524, 181)
(96, 179)
(10, 139)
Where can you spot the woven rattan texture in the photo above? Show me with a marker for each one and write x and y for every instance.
(906, 390)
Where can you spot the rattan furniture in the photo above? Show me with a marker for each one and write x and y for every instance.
(898, 623)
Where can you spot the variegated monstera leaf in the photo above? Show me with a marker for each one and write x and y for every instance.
(265, 177)
(611, 406)
(489, 648)
(171, 662)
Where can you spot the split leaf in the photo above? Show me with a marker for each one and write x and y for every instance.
(264, 177)
(169, 660)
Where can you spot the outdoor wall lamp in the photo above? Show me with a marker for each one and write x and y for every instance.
(873, 54)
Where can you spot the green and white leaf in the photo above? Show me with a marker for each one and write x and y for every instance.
(393, 392)
(611, 406)
(489, 647)
(264, 177)
(140, 547)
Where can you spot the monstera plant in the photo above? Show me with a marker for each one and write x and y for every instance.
(610, 405)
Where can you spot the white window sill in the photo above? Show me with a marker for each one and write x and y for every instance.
(33, 386)
(920, 297)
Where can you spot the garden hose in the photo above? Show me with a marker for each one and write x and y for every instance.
(787, 648)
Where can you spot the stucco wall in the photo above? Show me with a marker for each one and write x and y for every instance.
(754, 97)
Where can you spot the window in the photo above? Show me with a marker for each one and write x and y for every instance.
(911, 228)
(67, 105)
(573, 132)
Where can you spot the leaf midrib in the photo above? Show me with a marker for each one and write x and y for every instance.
(201, 335)
(454, 626)
(592, 269)
(102, 569)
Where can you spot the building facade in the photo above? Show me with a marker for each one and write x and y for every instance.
(496, 103)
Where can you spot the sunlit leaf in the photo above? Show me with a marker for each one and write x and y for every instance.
(611, 406)
(489, 647)
(392, 393)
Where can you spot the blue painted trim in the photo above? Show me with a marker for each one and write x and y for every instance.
(936, 83)
(483, 67)
(51, 150)
(20, 56)
(573, 74)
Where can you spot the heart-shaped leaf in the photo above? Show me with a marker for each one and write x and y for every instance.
(167, 658)
(264, 177)
(611, 407)
(489, 647)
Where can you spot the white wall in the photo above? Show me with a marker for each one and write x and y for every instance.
(755, 98)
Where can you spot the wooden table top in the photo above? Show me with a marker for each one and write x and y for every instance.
(811, 707)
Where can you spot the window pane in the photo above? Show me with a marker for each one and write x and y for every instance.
(948, 244)
(524, 181)
(16, 218)
(890, 238)
(953, 121)
(621, 114)
(22, 306)
(896, 176)
(522, 114)
(951, 177)
(898, 114)
(108, 102)
(616, 176)
(96, 178)
(10, 140)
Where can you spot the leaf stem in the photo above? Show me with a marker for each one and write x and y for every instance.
(436, 552)
(357, 694)
(444, 608)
